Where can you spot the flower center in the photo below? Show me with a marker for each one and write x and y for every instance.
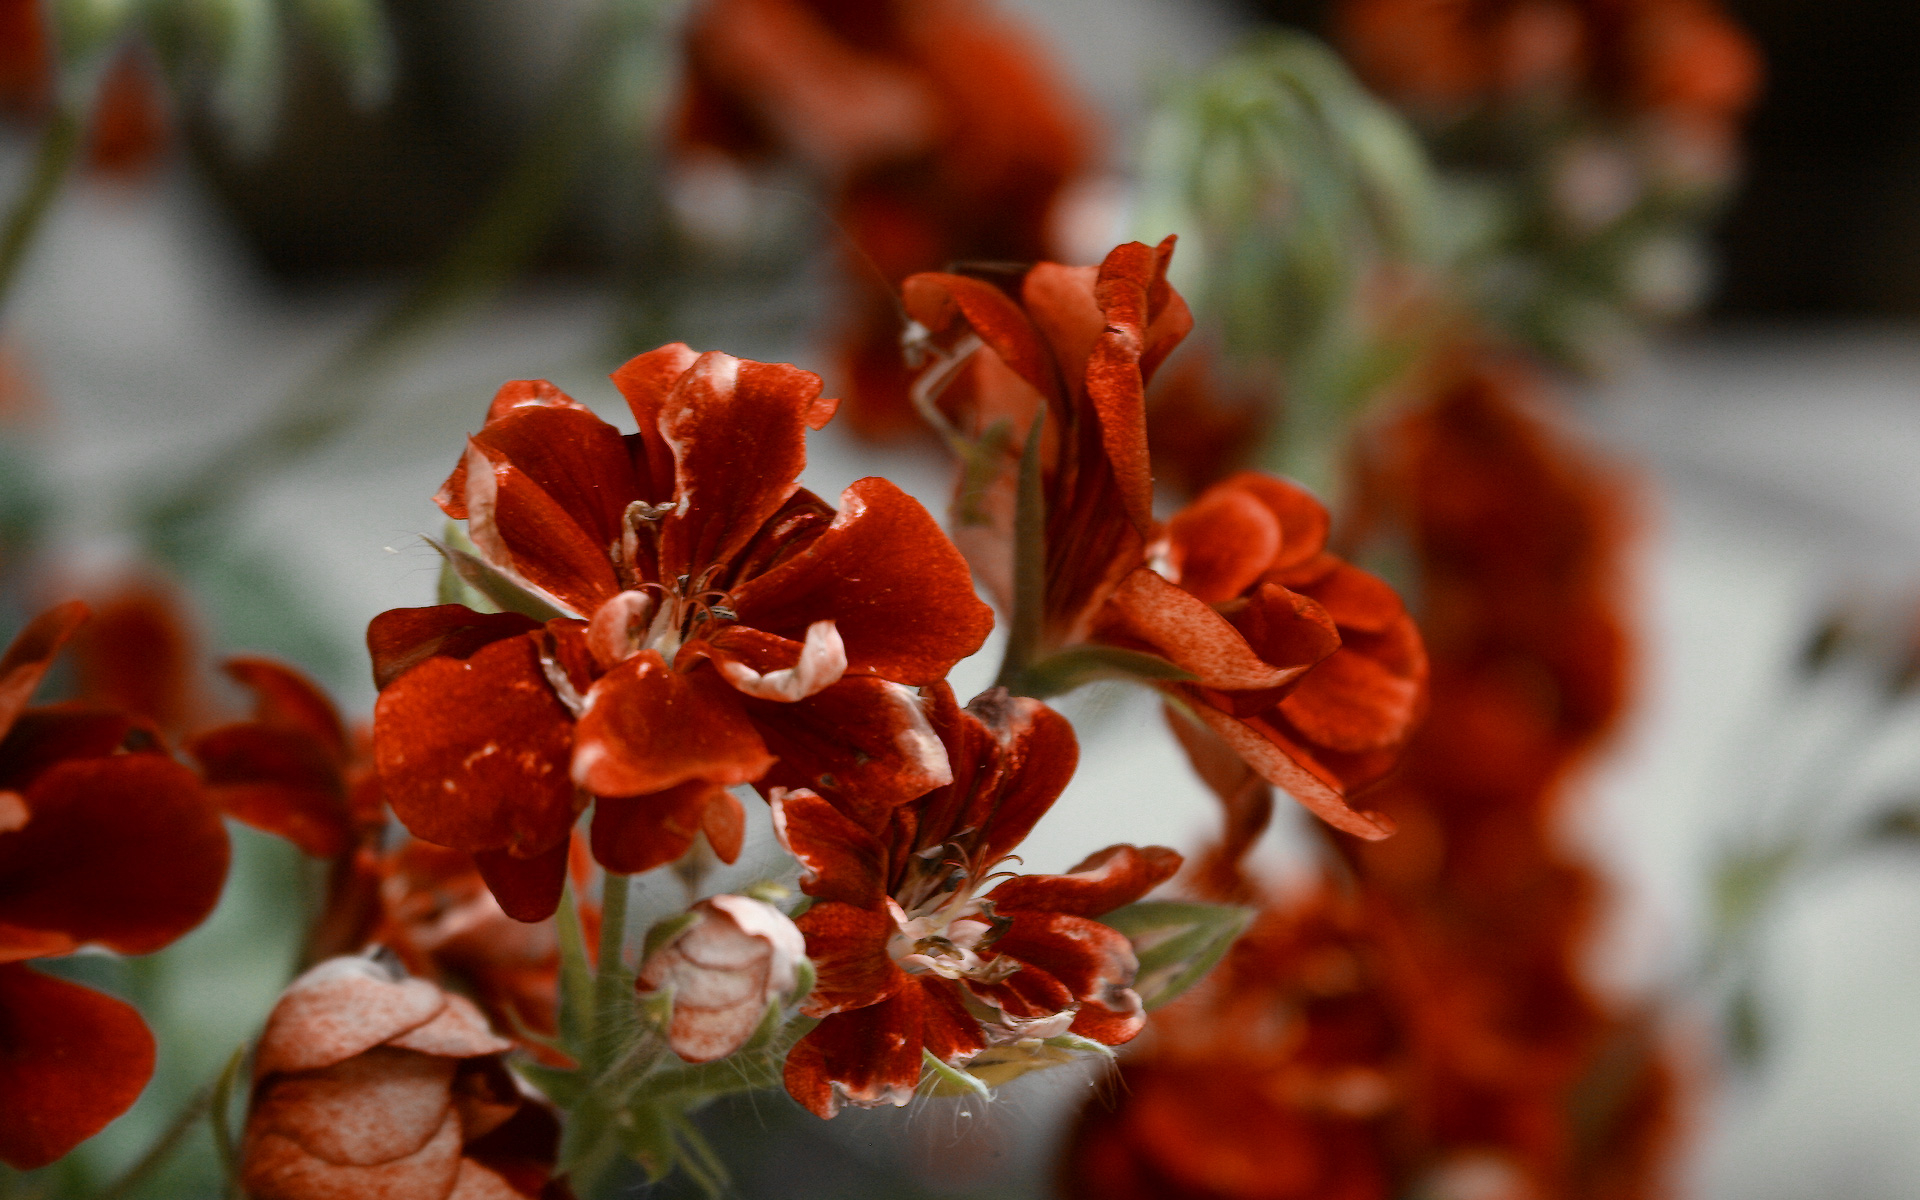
(945, 937)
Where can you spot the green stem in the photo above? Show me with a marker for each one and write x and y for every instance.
(1029, 565)
(611, 980)
(162, 1149)
(576, 976)
(59, 146)
(218, 1115)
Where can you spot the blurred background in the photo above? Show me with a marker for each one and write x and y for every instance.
(262, 301)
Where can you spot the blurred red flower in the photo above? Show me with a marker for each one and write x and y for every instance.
(916, 955)
(104, 840)
(367, 1083)
(712, 624)
(941, 132)
(1308, 667)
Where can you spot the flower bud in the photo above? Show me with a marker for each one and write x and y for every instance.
(733, 957)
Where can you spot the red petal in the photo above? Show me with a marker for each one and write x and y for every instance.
(1303, 519)
(1092, 961)
(71, 1060)
(863, 743)
(285, 697)
(1104, 881)
(725, 824)
(528, 889)
(1279, 760)
(30, 653)
(403, 638)
(140, 653)
(632, 834)
(848, 946)
(937, 301)
(518, 525)
(870, 1057)
(577, 460)
(1354, 703)
(738, 433)
(127, 851)
(1019, 770)
(649, 727)
(473, 753)
(647, 381)
(951, 1033)
(1116, 375)
(278, 780)
(1358, 600)
(1146, 608)
(895, 587)
(51, 734)
(1221, 543)
(514, 395)
(839, 860)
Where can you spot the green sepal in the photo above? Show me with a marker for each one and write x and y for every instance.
(1080, 1045)
(565, 1088)
(450, 588)
(939, 1079)
(1061, 673)
(645, 1135)
(1177, 942)
(495, 584)
(665, 930)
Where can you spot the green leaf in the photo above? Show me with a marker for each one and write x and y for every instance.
(509, 593)
(1177, 942)
(1075, 666)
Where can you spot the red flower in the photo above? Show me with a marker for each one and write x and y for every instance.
(368, 1084)
(711, 624)
(941, 131)
(916, 956)
(1308, 667)
(104, 840)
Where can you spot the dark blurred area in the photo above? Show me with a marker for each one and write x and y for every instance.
(1827, 222)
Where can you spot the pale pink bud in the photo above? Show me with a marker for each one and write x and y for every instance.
(737, 956)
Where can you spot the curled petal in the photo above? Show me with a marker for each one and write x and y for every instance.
(1095, 963)
(538, 540)
(649, 727)
(473, 753)
(823, 660)
(1303, 519)
(1221, 543)
(71, 1060)
(1104, 881)
(618, 629)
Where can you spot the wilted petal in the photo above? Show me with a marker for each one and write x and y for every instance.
(71, 1060)
(1285, 763)
(339, 1009)
(649, 727)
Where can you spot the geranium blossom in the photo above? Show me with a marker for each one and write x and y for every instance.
(104, 840)
(938, 128)
(919, 952)
(1307, 666)
(709, 623)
